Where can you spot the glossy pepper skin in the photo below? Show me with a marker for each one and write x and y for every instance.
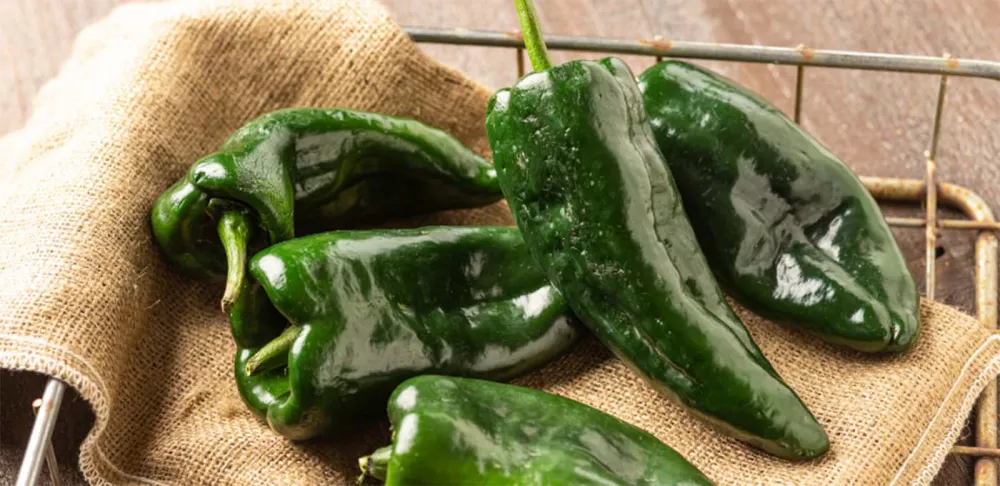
(366, 310)
(599, 210)
(305, 170)
(787, 228)
(463, 431)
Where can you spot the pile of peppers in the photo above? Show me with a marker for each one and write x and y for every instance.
(639, 203)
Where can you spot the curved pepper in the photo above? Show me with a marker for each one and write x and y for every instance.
(788, 229)
(310, 170)
(334, 321)
(464, 431)
(600, 212)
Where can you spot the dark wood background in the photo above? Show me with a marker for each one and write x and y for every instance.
(879, 123)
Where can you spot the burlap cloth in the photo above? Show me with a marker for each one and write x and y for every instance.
(86, 297)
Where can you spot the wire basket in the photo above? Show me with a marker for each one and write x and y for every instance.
(929, 192)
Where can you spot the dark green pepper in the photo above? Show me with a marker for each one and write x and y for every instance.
(599, 210)
(787, 228)
(462, 431)
(357, 312)
(307, 170)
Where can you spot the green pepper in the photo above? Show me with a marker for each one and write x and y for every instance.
(334, 321)
(464, 431)
(788, 229)
(599, 210)
(310, 170)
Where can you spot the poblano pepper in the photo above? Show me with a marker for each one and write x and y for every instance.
(333, 322)
(788, 229)
(306, 170)
(463, 431)
(599, 210)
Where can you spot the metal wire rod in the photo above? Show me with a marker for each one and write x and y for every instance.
(41, 433)
(723, 52)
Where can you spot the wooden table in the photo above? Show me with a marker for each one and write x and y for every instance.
(879, 123)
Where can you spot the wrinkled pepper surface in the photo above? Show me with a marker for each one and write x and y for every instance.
(787, 228)
(334, 321)
(599, 210)
(464, 431)
(305, 170)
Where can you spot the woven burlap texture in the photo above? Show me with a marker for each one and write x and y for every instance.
(86, 297)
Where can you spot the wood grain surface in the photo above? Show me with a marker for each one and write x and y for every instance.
(880, 124)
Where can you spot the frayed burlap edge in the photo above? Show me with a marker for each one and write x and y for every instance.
(962, 397)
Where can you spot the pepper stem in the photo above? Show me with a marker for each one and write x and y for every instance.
(234, 231)
(375, 464)
(274, 353)
(532, 35)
